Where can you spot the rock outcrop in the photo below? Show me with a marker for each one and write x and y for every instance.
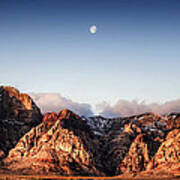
(62, 144)
(18, 114)
(132, 143)
(137, 158)
(166, 162)
(141, 146)
(116, 146)
(169, 151)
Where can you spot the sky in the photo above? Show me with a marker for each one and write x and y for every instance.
(46, 47)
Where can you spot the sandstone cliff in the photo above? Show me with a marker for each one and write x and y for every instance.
(63, 144)
(18, 114)
(134, 144)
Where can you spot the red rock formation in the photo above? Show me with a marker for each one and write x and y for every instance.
(129, 151)
(18, 114)
(169, 151)
(146, 145)
(137, 158)
(67, 147)
(49, 119)
(67, 114)
(173, 121)
(165, 163)
(22, 97)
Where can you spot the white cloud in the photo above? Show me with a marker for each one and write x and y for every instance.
(128, 108)
(49, 102)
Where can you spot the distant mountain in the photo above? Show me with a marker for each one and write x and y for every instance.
(148, 122)
(99, 125)
(66, 144)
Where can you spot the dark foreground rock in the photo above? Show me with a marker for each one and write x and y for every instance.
(18, 114)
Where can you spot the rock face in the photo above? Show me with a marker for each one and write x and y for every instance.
(145, 145)
(169, 151)
(132, 143)
(63, 144)
(18, 114)
(137, 158)
(166, 162)
(116, 146)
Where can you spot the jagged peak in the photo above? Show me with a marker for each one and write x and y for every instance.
(66, 114)
(50, 117)
(24, 98)
(11, 90)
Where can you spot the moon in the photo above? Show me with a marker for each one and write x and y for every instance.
(93, 29)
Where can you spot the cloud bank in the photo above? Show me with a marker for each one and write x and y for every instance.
(129, 108)
(49, 102)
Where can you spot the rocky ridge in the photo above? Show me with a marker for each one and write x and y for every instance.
(138, 149)
(129, 144)
(66, 144)
(99, 125)
(62, 144)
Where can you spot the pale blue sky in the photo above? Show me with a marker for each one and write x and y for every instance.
(45, 46)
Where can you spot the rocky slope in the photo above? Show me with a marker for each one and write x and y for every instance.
(18, 114)
(62, 144)
(129, 144)
(141, 143)
(99, 125)
(65, 144)
(166, 162)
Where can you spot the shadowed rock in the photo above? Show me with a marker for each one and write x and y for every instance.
(18, 114)
(137, 158)
(169, 151)
(132, 142)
